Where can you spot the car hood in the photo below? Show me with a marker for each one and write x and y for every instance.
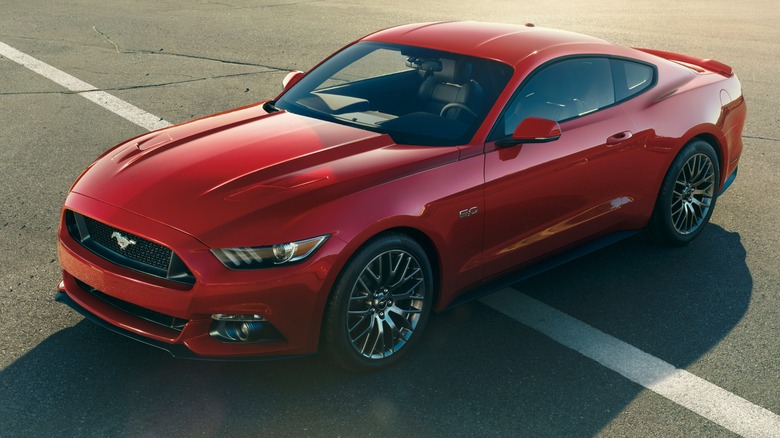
(218, 173)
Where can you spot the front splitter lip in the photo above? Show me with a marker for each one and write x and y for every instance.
(176, 350)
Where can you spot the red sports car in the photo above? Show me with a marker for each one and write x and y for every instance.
(416, 168)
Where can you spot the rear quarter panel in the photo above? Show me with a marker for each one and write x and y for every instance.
(721, 116)
(685, 105)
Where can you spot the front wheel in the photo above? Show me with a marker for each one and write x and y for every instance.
(687, 196)
(379, 305)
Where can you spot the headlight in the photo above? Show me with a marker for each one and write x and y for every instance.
(268, 256)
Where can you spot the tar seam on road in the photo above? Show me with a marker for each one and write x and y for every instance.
(687, 390)
(107, 101)
(679, 386)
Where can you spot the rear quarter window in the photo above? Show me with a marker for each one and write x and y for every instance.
(631, 78)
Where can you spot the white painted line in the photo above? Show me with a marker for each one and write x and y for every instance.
(128, 111)
(694, 393)
(112, 103)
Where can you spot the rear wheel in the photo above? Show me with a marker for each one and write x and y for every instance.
(687, 196)
(379, 305)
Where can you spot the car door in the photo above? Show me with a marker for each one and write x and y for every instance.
(544, 197)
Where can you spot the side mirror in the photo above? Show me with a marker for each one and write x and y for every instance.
(291, 79)
(533, 130)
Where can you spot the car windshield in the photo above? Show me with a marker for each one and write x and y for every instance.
(416, 95)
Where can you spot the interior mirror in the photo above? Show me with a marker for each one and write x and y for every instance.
(291, 79)
(533, 130)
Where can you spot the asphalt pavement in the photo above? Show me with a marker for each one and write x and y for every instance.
(711, 308)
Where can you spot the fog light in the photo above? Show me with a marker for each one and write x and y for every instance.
(241, 331)
(242, 328)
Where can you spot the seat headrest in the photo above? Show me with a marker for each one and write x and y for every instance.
(453, 71)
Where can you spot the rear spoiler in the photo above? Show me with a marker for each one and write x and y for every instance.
(707, 64)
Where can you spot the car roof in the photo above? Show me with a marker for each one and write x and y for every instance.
(509, 43)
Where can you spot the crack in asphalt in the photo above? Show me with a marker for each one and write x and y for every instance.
(184, 55)
(119, 49)
(233, 7)
(134, 87)
(753, 137)
(107, 38)
(207, 58)
(58, 40)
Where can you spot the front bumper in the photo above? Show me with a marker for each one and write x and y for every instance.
(291, 299)
(176, 350)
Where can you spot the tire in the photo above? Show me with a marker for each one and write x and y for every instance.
(687, 197)
(379, 305)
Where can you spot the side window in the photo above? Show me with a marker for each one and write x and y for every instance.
(630, 78)
(563, 90)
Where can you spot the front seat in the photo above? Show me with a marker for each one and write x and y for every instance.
(451, 93)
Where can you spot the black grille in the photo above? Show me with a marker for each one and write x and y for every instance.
(162, 319)
(140, 250)
(138, 253)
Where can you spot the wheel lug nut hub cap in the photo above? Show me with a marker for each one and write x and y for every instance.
(381, 301)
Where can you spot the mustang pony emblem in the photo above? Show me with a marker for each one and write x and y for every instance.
(123, 241)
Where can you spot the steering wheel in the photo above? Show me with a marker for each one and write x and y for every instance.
(449, 106)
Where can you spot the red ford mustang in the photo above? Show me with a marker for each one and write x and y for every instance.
(417, 167)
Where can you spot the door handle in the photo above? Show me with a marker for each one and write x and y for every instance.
(619, 137)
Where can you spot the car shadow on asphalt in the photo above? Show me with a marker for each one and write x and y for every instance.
(476, 372)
